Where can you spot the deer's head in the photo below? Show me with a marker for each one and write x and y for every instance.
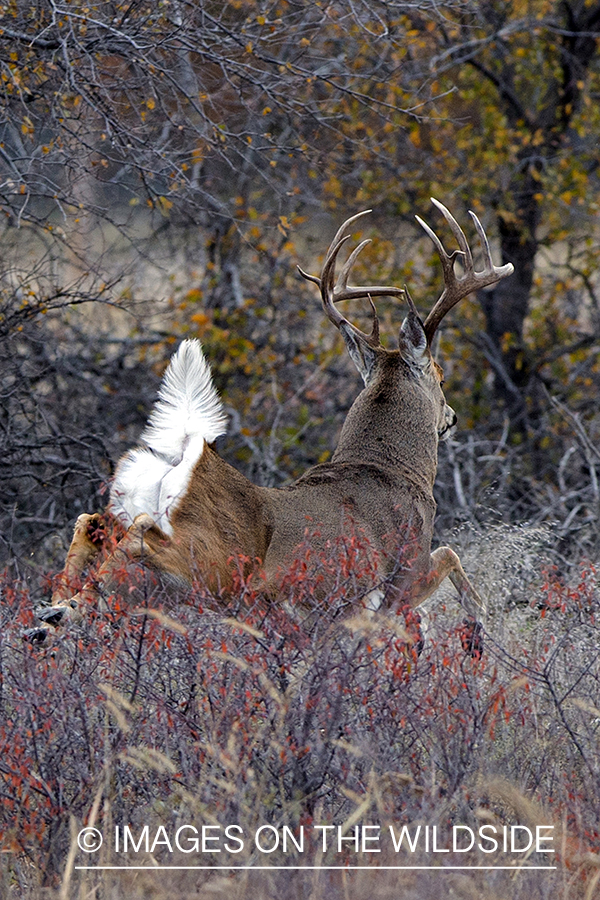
(412, 363)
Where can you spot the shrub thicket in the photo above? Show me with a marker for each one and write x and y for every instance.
(255, 714)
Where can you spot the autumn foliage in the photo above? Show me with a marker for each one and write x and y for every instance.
(163, 168)
(262, 714)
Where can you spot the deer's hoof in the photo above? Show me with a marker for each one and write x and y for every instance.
(36, 636)
(413, 625)
(471, 638)
(94, 528)
(53, 615)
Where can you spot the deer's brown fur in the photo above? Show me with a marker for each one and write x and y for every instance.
(379, 480)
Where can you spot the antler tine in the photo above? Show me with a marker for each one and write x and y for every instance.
(484, 241)
(328, 270)
(459, 234)
(343, 291)
(447, 259)
(340, 238)
(456, 288)
(342, 282)
(343, 229)
(334, 291)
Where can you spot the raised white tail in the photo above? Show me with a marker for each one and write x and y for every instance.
(188, 414)
(188, 406)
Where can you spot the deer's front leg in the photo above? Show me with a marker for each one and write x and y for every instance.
(444, 563)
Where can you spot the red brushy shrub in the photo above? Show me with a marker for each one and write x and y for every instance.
(258, 713)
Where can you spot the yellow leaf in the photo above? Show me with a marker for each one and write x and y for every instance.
(164, 204)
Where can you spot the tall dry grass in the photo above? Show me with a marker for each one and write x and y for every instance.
(162, 715)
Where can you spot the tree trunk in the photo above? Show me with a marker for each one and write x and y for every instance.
(507, 305)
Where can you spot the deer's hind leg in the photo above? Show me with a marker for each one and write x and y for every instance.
(144, 542)
(87, 542)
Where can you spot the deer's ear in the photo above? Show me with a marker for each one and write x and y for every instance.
(413, 340)
(361, 353)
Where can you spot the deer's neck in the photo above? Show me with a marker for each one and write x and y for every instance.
(395, 429)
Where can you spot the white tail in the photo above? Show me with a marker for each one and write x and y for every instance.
(188, 414)
(191, 512)
(188, 406)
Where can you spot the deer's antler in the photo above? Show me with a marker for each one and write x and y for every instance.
(456, 288)
(333, 291)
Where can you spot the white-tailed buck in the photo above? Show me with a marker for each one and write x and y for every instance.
(188, 512)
